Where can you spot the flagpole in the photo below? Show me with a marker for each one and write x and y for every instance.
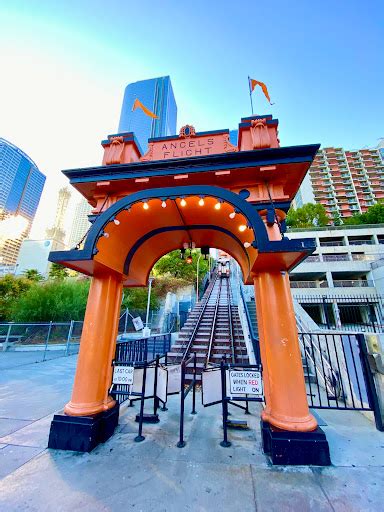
(250, 92)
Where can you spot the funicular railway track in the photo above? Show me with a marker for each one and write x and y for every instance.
(213, 331)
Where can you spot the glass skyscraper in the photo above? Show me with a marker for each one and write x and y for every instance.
(157, 95)
(21, 185)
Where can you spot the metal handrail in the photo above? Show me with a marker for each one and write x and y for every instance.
(213, 325)
(197, 325)
(231, 333)
(250, 326)
(327, 381)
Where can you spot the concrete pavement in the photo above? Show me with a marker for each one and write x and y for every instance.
(156, 475)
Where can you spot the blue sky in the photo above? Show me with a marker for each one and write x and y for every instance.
(65, 66)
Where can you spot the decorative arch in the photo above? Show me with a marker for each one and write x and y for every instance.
(115, 247)
(239, 204)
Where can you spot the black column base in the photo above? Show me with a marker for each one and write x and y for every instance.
(295, 448)
(82, 433)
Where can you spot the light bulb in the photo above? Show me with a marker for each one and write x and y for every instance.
(117, 222)
(242, 227)
(217, 206)
(163, 204)
(183, 202)
(145, 206)
(201, 202)
(247, 244)
(232, 215)
(106, 235)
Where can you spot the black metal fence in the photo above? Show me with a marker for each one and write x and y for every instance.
(337, 373)
(360, 313)
(138, 352)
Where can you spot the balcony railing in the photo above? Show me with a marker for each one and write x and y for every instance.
(331, 244)
(335, 257)
(309, 284)
(361, 242)
(365, 257)
(352, 284)
(312, 259)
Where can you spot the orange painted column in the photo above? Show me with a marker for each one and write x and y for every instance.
(97, 346)
(283, 374)
(285, 392)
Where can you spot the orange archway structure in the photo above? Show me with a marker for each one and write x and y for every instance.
(195, 187)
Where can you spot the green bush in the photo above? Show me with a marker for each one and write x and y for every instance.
(11, 289)
(136, 298)
(59, 301)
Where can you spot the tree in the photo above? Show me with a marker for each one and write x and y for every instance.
(11, 289)
(58, 272)
(374, 215)
(308, 216)
(33, 275)
(172, 265)
(136, 298)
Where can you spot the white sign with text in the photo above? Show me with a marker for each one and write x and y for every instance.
(243, 382)
(123, 375)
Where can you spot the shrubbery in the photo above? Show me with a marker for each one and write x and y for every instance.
(62, 298)
(59, 301)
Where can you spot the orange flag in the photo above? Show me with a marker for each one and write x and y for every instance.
(252, 85)
(137, 104)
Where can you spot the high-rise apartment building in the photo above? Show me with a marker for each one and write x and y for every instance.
(380, 147)
(347, 182)
(157, 95)
(21, 186)
(80, 223)
(57, 231)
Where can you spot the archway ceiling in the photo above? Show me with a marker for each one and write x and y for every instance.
(143, 236)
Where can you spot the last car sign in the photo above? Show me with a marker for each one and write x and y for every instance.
(123, 375)
(245, 383)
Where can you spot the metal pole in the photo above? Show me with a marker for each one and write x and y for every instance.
(324, 299)
(155, 399)
(5, 345)
(126, 321)
(197, 278)
(149, 300)
(370, 386)
(194, 385)
(140, 436)
(225, 443)
(250, 93)
(47, 339)
(70, 330)
(181, 442)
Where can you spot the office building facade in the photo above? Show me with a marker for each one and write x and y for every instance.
(341, 284)
(157, 95)
(21, 186)
(80, 224)
(57, 230)
(346, 182)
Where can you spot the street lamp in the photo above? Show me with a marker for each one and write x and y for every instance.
(146, 330)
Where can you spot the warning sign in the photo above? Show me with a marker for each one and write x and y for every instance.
(245, 383)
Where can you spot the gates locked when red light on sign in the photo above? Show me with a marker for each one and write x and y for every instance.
(245, 383)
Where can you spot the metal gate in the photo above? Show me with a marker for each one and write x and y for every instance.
(337, 373)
